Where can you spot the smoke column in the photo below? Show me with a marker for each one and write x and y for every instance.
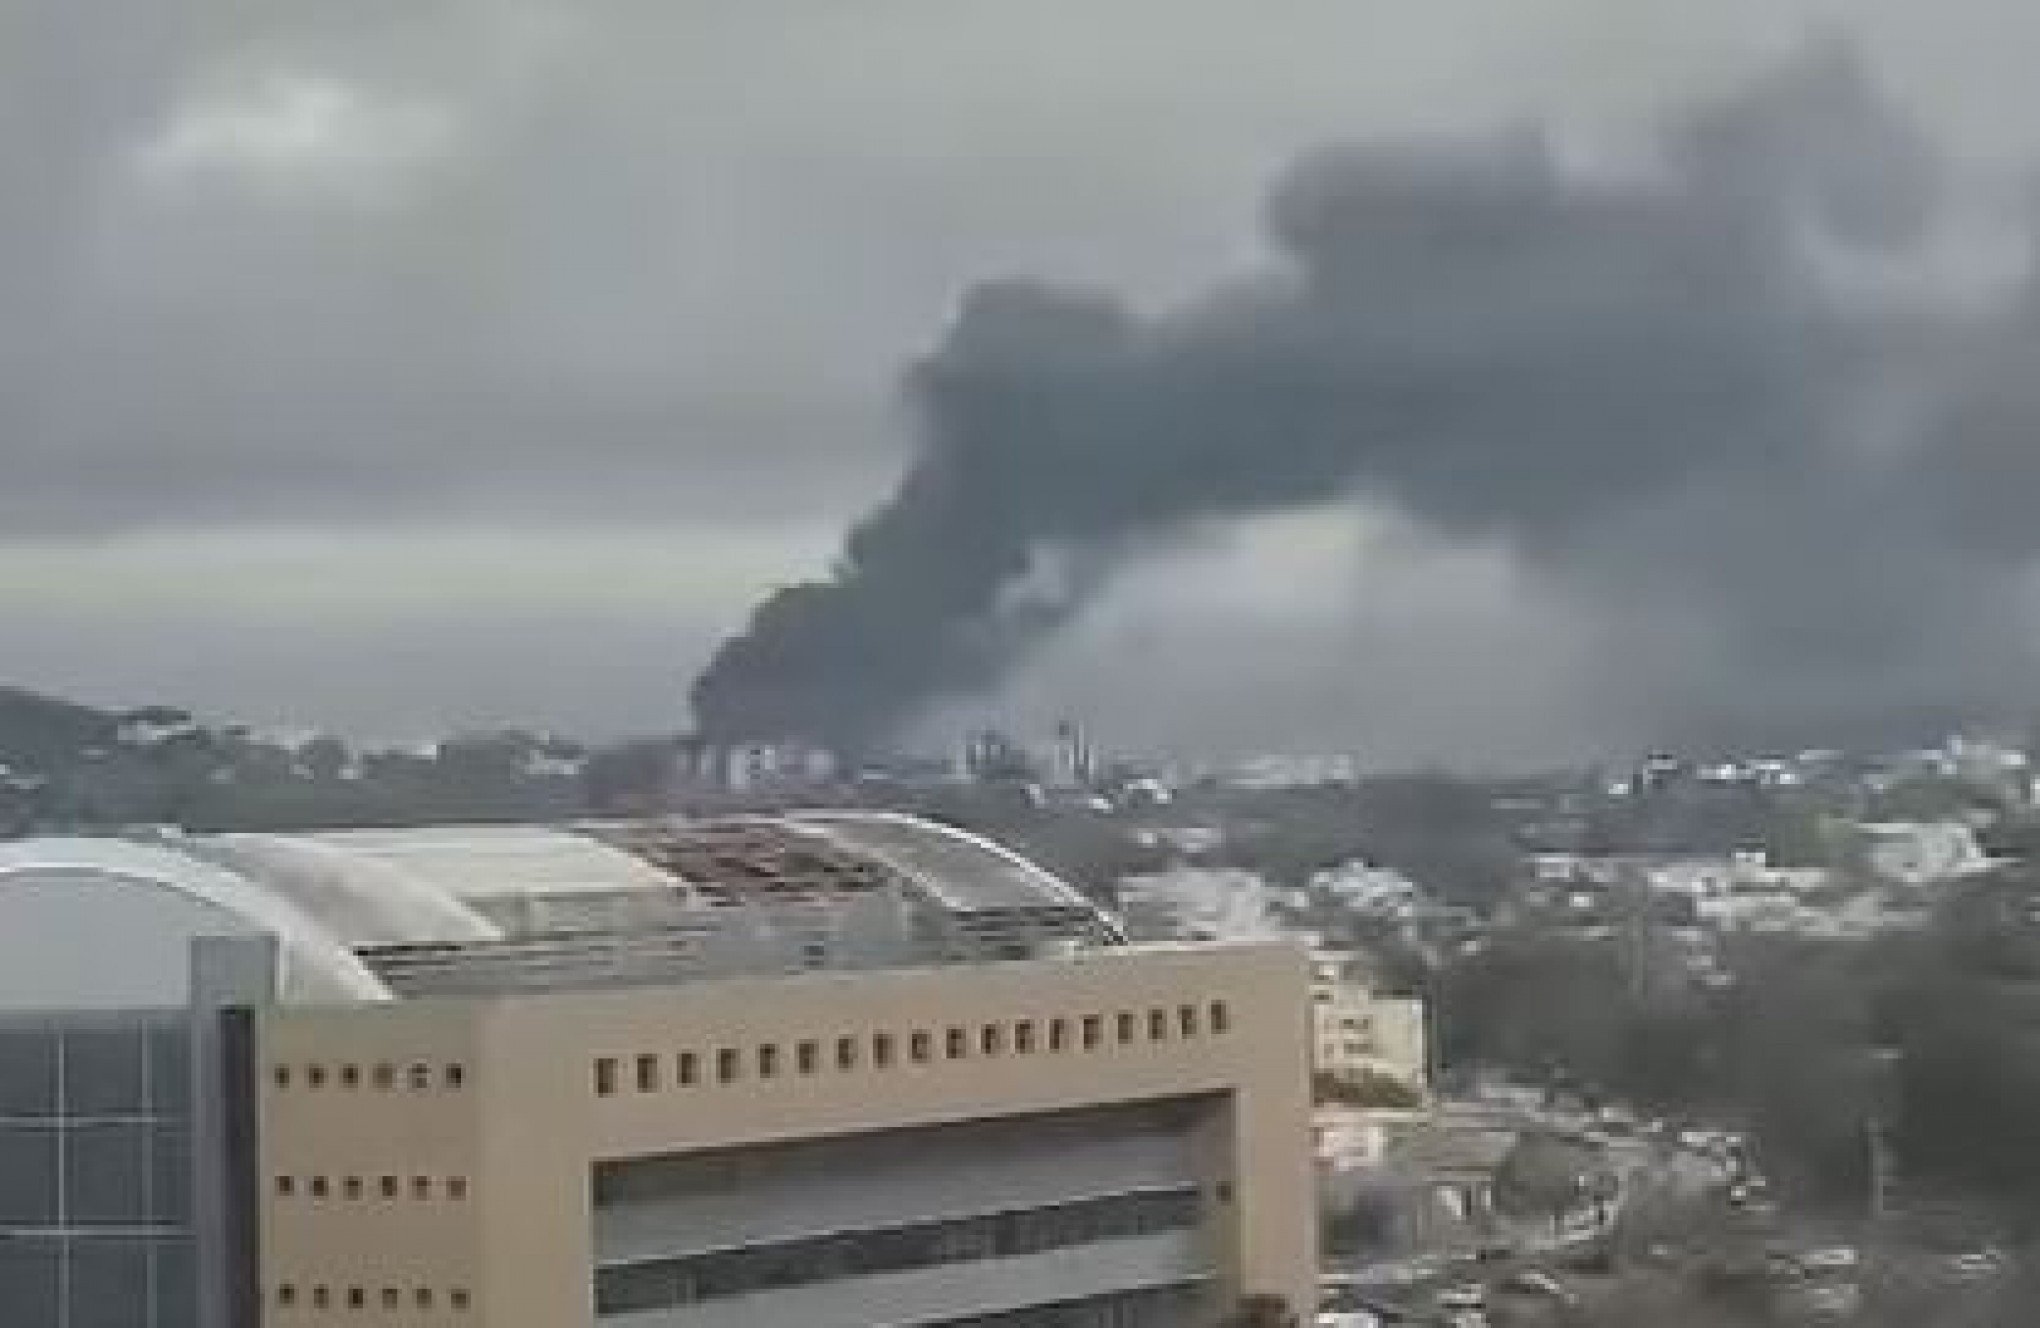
(1700, 380)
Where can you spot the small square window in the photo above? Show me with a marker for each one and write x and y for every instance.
(321, 1297)
(1158, 1025)
(605, 1076)
(768, 1061)
(1219, 1017)
(423, 1298)
(1094, 1031)
(388, 1186)
(280, 1076)
(921, 1046)
(391, 1298)
(1058, 1035)
(1023, 1036)
(351, 1187)
(956, 1044)
(648, 1074)
(1127, 1025)
(990, 1039)
(316, 1076)
(1186, 1020)
(687, 1068)
(846, 1053)
(807, 1056)
(420, 1077)
(456, 1188)
(460, 1299)
(286, 1186)
(286, 1295)
(421, 1187)
(350, 1076)
(356, 1298)
(385, 1076)
(882, 1050)
(729, 1065)
(320, 1187)
(456, 1076)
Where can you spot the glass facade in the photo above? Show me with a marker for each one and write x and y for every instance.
(1167, 1307)
(95, 1173)
(662, 1283)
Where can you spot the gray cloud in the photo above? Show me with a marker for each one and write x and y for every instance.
(1654, 385)
(542, 271)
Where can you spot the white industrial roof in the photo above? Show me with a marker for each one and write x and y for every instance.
(330, 898)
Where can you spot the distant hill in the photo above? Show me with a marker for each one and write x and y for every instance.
(44, 733)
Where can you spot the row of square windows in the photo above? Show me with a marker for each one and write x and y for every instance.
(1023, 1036)
(357, 1298)
(356, 1187)
(419, 1076)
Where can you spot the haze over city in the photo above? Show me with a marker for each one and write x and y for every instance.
(485, 364)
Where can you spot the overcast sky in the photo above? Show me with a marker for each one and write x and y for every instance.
(398, 365)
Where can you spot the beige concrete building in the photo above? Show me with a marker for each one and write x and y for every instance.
(849, 1070)
(1356, 1032)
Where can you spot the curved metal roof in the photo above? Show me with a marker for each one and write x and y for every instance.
(339, 901)
(316, 963)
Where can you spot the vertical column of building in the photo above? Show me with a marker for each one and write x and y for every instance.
(536, 1262)
(230, 977)
(1275, 1186)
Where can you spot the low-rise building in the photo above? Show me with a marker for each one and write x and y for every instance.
(1357, 1033)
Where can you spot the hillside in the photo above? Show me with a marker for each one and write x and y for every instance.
(41, 733)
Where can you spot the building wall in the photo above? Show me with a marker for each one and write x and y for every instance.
(1355, 1032)
(518, 1101)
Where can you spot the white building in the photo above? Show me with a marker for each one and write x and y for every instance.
(1356, 1032)
(1200, 903)
(1918, 853)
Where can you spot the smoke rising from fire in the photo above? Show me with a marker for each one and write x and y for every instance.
(1708, 387)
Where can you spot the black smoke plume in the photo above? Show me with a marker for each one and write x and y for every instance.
(1704, 385)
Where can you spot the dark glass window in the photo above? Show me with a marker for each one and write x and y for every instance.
(30, 1279)
(28, 1074)
(28, 1176)
(658, 1283)
(109, 1283)
(105, 1072)
(170, 1162)
(170, 1069)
